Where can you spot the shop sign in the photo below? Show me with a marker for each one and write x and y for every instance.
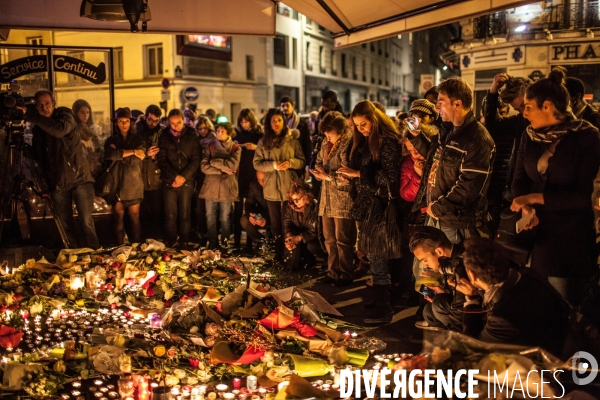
(575, 52)
(427, 82)
(34, 64)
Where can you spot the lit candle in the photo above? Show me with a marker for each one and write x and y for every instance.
(347, 334)
(76, 384)
(354, 335)
(221, 387)
(77, 281)
(98, 382)
(75, 392)
(237, 383)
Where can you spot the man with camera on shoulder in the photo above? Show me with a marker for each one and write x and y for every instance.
(441, 263)
(58, 148)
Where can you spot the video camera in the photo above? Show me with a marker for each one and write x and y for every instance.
(8, 103)
(452, 266)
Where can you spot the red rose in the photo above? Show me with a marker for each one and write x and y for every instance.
(150, 292)
(194, 362)
(166, 257)
(17, 297)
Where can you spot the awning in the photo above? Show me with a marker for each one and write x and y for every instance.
(229, 17)
(358, 21)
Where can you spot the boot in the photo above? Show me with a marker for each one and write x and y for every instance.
(383, 312)
(370, 301)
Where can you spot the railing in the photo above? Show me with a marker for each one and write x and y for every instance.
(490, 25)
(570, 16)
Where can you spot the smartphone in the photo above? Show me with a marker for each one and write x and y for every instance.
(258, 217)
(524, 221)
(412, 123)
(425, 291)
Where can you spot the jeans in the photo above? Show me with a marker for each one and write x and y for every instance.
(340, 238)
(380, 271)
(445, 311)
(178, 208)
(223, 208)
(276, 216)
(83, 195)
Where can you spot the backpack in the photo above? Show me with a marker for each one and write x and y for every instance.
(234, 148)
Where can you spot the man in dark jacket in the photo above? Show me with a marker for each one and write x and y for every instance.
(256, 212)
(59, 151)
(300, 227)
(152, 205)
(293, 121)
(178, 160)
(506, 132)
(459, 163)
(519, 309)
(581, 108)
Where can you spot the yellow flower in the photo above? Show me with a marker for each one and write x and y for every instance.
(59, 367)
(80, 302)
(169, 293)
(160, 350)
(171, 380)
(36, 308)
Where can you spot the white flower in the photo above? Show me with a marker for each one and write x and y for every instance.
(171, 380)
(112, 299)
(36, 308)
(125, 363)
(191, 380)
(169, 293)
(72, 258)
(179, 373)
(87, 259)
(122, 258)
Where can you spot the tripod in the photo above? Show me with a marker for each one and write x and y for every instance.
(18, 161)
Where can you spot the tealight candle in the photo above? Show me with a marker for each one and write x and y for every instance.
(65, 396)
(76, 384)
(98, 395)
(221, 387)
(98, 382)
(113, 395)
(104, 389)
(354, 335)
(75, 392)
(326, 387)
(77, 281)
(110, 387)
(229, 396)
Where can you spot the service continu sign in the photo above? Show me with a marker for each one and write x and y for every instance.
(33, 64)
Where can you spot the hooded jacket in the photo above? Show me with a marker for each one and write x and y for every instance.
(178, 156)
(458, 197)
(217, 159)
(58, 147)
(277, 183)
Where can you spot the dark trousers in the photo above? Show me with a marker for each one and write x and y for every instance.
(276, 216)
(178, 208)
(202, 228)
(252, 231)
(238, 212)
(152, 213)
(444, 311)
(83, 195)
(340, 238)
(303, 254)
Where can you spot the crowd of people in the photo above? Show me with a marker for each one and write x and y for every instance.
(404, 197)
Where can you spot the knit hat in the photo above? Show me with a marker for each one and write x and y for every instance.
(424, 106)
(124, 112)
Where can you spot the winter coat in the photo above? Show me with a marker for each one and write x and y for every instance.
(131, 185)
(458, 197)
(217, 159)
(409, 180)
(150, 169)
(58, 148)
(375, 175)
(307, 226)
(335, 194)
(210, 136)
(565, 241)
(247, 172)
(277, 183)
(506, 132)
(178, 156)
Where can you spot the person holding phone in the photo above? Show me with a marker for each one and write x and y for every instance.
(257, 212)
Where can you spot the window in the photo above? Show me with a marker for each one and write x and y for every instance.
(36, 41)
(154, 60)
(321, 63)
(364, 70)
(344, 70)
(308, 64)
(280, 49)
(250, 68)
(74, 79)
(379, 74)
(294, 53)
(308, 22)
(354, 75)
(372, 73)
(333, 63)
(118, 63)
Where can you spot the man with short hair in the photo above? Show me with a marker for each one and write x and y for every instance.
(59, 150)
(506, 132)
(293, 121)
(431, 95)
(432, 248)
(152, 205)
(518, 309)
(459, 164)
(580, 107)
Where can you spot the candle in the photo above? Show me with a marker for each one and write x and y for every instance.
(98, 395)
(347, 334)
(221, 387)
(354, 335)
(237, 383)
(326, 387)
(75, 392)
(98, 382)
(251, 382)
(113, 395)
(229, 396)
(77, 281)
(282, 385)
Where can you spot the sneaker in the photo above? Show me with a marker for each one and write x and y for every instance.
(425, 326)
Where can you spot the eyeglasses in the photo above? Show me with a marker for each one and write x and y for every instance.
(152, 121)
(297, 199)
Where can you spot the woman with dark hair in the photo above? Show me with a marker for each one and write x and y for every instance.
(339, 229)
(128, 149)
(279, 156)
(249, 132)
(206, 132)
(82, 111)
(300, 226)
(557, 162)
(379, 170)
(220, 163)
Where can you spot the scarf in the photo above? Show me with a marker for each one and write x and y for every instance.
(175, 133)
(578, 111)
(552, 134)
(294, 120)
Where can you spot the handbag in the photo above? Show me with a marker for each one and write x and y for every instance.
(518, 245)
(380, 235)
(106, 184)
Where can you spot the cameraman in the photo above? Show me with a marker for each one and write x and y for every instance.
(432, 247)
(57, 145)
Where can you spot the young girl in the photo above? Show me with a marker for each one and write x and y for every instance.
(220, 162)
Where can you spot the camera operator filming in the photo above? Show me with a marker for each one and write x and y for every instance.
(432, 247)
(59, 152)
